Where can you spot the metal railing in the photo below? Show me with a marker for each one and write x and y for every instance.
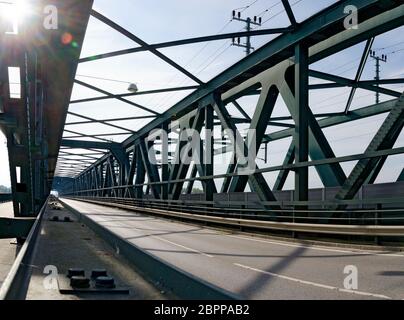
(375, 225)
(15, 285)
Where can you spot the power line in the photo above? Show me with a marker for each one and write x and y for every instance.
(168, 96)
(105, 79)
(277, 14)
(221, 53)
(390, 46)
(247, 6)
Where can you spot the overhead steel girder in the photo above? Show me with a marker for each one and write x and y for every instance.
(89, 86)
(82, 144)
(113, 147)
(109, 120)
(136, 39)
(384, 19)
(182, 42)
(289, 12)
(264, 57)
(92, 120)
(139, 93)
(282, 48)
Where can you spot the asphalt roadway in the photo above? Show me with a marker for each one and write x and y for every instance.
(253, 267)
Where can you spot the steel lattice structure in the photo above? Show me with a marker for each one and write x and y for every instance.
(279, 69)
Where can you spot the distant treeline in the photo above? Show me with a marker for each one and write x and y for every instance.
(4, 189)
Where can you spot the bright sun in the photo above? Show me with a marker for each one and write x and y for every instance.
(13, 13)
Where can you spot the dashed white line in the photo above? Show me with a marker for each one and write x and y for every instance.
(168, 241)
(184, 247)
(314, 284)
(318, 248)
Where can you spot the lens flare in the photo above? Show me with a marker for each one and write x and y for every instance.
(13, 13)
(67, 38)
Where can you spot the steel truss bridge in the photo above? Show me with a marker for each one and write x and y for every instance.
(42, 157)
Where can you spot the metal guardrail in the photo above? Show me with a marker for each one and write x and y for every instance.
(5, 197)
(337, 229)
(16, 283)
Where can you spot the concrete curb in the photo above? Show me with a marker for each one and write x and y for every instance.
(181, 283)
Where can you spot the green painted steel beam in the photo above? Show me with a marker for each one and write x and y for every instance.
(289, 12)
(278, 49)
(109, 94)
(139, 93)
(301, 136)
(353, 115)
(356, 84)
(92, 120)
(151, 169)
(401, 176)
(294, 166)
(385, 138)
(15, 227)
(142, 43)
(182, 42)
(259, 124)
(348, 82)
(82, 144)
(256, 180)
(207, 155)
(359, 72)
(283, 174)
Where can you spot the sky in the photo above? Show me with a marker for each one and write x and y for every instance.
(160, 20)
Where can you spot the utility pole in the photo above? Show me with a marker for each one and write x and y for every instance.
(383, 58)
(255, 21)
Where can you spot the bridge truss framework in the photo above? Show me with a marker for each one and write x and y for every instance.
(281, 68)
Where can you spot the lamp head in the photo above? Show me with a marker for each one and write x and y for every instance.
(133, 88)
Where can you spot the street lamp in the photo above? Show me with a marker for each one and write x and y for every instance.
(133, 88)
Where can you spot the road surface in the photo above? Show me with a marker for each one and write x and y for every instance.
(254, 267)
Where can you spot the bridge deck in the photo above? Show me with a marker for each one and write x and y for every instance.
(71, 245)
(253, 267)
(8, 251)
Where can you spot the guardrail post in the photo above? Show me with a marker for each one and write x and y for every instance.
(377, 215)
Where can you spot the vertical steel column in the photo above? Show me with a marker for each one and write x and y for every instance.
(165, 175)
(140, 174)
(208, 155)
(302, 123)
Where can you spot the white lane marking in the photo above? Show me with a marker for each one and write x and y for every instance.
(184, 247)
(301, 246)
(319, 248)
(168, 241)
(314, 284)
